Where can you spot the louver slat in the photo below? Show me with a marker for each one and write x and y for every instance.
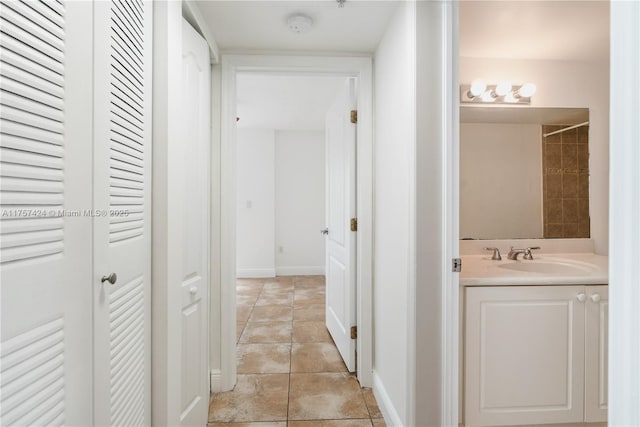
(127, 184)
(127, 117)
(127, 350)
(32, 128)
(33, 376)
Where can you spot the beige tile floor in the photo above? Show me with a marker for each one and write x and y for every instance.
(289, 371)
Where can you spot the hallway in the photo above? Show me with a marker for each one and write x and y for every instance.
(289, 371)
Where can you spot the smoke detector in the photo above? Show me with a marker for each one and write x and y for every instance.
(299, 23)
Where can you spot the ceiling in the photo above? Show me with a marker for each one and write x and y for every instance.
(262, 25)
(288, 102)
(517, 29)
(574, 30)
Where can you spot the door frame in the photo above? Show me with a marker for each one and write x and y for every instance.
(223, 303)
(166, 205)
(624, 208)
(434, 301)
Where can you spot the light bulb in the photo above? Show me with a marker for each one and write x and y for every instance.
(503, 88)
(487, 96)
(527, 90)
(510, 97)
(477, 88)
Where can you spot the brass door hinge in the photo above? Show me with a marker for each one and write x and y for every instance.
(354, 116)
(354, 224)
(354, 332)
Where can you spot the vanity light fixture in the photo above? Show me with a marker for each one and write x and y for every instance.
(501, 93)
(502, 88)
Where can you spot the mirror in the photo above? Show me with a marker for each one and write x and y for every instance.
(524, 172)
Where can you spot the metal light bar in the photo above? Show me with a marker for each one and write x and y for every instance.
(490, 97)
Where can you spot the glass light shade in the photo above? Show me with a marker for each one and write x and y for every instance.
(527, 90)
(503, 88)
(509, 97)
(487, 96)
(477, 88)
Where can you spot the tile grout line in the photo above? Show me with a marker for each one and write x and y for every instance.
(287, 420)
(293, 300)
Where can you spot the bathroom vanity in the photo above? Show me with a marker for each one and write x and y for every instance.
(533, 339)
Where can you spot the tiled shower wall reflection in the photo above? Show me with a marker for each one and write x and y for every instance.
(565, 161)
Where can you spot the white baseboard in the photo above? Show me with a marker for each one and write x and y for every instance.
(215, 382)
(389, 412)
(300, 271)
(255, 273)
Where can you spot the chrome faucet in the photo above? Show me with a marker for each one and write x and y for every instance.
(496, 253)
(513, 253)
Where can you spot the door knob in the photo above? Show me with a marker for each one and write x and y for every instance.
(324, 232)
(110, 278)
(582, 297)
(193, 290)
(595, 297)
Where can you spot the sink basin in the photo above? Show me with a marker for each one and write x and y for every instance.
(555, 267)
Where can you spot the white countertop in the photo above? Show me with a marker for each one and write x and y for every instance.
(589, 269)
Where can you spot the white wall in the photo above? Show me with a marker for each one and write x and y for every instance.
(280, 202)
(565, 84)
(394, 129)
(299, 202)
(500, 181)
(255, 212)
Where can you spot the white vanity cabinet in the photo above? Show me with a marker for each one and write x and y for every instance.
(535, 355)
(596, 353)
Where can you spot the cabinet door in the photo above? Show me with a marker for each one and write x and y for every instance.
(596, 358)
(524, 355)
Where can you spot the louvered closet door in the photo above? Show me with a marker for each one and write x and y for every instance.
(122, 183)
(45, 255)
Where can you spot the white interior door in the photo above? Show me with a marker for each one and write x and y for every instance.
(122, 201)
(341, 208)
(194, 182)
(45, 255)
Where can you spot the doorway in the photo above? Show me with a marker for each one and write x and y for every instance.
(582, 175)
(223, 364)
(295, 164)
(280, 173)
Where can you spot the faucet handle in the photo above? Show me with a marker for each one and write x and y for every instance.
(527, 252)
(496, 253)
